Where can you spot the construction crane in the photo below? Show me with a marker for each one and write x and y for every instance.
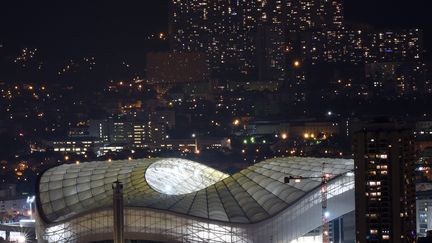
(325, 214)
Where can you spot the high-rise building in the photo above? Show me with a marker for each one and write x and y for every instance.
(385, 183)
(314, 15)
(395, 46)
(261, 40)
(140, 131)
(398, 78)
(216, 28)
(357, 46)
(271, 54)
(423, 135)
(239, 36)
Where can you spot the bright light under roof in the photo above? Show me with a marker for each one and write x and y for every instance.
(179, 176)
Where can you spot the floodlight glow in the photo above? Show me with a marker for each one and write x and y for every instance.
(168, 188)
(21, 239)
(180, 176)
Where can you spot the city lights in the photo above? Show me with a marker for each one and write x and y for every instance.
(296, 112)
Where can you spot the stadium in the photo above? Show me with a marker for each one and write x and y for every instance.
(177, 200)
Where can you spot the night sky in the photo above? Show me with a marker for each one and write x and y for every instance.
(120, 29)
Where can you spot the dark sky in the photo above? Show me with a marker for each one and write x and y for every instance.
(120, 27)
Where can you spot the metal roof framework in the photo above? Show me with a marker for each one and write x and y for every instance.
(182, 187)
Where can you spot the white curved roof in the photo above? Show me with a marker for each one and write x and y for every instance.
(181, 186)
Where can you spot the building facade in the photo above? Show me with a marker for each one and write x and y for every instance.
(247, 38)
(385, 183)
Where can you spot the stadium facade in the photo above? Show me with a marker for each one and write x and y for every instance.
(177, 200)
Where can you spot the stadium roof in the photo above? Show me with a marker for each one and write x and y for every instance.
(182, 186)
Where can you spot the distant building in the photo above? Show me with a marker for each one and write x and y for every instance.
(424, 190)
(314, 14)
(271, 86)
(99, 129)
(227, 32)
(14, 206)
(426, 239)
(400, 78)
(74, 145)
(424, 216)
(7, 191)
(423, 135)
(385, 183)
(294, 129)
(396, 46)
(140, 129)
(357, 46)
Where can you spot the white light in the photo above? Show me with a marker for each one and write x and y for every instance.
(30, 199)
(196, 173)
(174, 176)
(329, 113)
(350, 174)
(168, 188)
(327, 214)
(21, 239)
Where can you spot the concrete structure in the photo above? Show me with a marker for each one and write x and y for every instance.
(176, 200)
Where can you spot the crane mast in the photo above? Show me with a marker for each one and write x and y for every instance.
(325, 214)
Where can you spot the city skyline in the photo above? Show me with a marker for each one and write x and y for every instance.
(224, 121)
(123, 30)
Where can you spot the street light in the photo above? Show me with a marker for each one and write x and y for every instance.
(30, 201)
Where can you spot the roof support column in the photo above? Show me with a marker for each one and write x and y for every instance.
(118, 212)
